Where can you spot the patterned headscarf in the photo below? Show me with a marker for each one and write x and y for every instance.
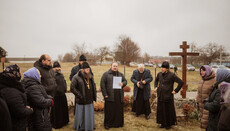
(13, 71)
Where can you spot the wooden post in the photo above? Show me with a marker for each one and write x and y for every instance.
(184, 55)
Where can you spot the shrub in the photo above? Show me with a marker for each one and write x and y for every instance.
(187, 110)
(126, 89)
(98, 106)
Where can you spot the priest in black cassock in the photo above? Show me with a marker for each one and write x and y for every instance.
(142, 91)
(166, 115)
(114, 113)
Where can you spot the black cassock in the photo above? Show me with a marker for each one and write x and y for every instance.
(59, 112)
(166, 114)
(116, 118)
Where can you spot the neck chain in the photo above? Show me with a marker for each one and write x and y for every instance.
(87, 82)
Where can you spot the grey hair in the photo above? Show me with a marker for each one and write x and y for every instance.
(141, 66)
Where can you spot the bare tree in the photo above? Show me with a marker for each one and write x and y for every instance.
(210, 52)
(146, 57)
(102, 52)
(126, 50)
(60, 57)
(68, 57)
(79, 49)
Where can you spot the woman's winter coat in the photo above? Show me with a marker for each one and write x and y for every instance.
(204, 89)
(40, 102)
(14, 95)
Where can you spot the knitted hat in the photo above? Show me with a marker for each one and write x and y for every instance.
(165, 64)
(82, 58)
(85, 65)
(56, 64)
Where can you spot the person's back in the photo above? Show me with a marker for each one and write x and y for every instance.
(223, 123)
(14, 95)
(39, 100)
(5, 119)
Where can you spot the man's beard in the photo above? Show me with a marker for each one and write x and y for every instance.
(87, 75)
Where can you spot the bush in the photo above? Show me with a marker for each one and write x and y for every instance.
(126, 89)
(187, 110)
(98, 106)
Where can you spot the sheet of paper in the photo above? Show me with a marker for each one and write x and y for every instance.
(116, 81)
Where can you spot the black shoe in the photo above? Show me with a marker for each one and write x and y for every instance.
(106, 127)
(162, 126)
(137, 115)
(168, 127)
(147, 117)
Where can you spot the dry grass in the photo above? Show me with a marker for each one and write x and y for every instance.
(133, 123)
(192, 76)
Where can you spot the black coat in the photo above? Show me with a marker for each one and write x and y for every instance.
(40, 102)
(75, 70)
(223, 123)
(147, 77)
(213, 106)
(14, 95)
(61, 84)
(47, 78)
(78, 86)
(165, 83)
(107, 85)
(5, 119)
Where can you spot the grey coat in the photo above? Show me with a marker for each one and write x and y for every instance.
(147, 77)
(107, 85)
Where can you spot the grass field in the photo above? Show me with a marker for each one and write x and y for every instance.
(193, 77)
(133, 123)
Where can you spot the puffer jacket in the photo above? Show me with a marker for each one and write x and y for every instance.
(204, 89)
(78, 86)
(47, 79)
(213, 106)
(40, 102)
(14, 95)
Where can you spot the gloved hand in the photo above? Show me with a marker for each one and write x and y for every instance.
(52, 102)
(205, 100)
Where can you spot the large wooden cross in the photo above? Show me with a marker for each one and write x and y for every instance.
(184, 55)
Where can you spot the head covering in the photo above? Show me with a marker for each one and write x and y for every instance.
(56, 64)
(208, 70)
(12, 71)
(224, 92)
(222, 74)
(85, 65)
(82, 58)
(32, 73)
(165, 64)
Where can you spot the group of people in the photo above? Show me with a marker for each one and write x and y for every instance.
(84, 89)
(37, 102)
(213, 99)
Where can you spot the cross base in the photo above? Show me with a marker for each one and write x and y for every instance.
(184, 89)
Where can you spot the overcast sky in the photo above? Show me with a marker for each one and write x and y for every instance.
(32, 27)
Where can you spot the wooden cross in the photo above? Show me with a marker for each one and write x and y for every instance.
(184, 55)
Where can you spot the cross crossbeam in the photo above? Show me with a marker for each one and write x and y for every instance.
(184, 55)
